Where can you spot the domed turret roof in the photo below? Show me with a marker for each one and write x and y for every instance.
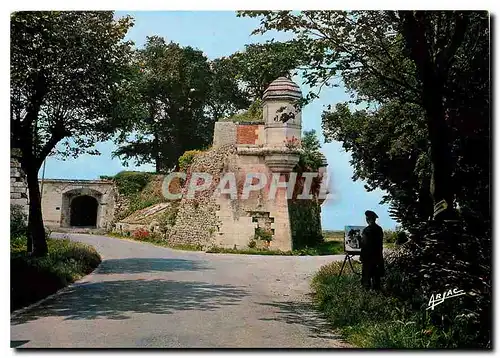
(282, 88)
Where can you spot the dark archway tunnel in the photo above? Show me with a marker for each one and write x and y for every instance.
(84, 211)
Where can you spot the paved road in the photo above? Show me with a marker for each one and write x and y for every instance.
(147, 296)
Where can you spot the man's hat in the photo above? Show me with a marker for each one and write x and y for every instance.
(371, 214)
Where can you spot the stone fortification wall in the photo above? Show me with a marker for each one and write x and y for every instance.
(196, 222)
(224, 134)
(18, 186)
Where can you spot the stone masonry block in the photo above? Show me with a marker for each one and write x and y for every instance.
(18, 201)
(18, 189)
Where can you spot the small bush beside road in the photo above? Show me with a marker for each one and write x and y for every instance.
(34, 278)
(369, 319)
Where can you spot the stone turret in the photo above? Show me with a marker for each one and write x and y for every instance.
(282, 119)
(283, 124)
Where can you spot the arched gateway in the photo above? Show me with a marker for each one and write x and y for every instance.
(78, 203)
(83, 212)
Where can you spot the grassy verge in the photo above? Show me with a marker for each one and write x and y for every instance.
(158, 242)
(373, 320)
(325, 248)
(335, 235)
(35, 278)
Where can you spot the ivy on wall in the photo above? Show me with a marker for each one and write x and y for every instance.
(187, 159)
(137, 190)
(252, 114)
(129, 183)
(305, 223)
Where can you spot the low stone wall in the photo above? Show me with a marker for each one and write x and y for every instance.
(18, 186)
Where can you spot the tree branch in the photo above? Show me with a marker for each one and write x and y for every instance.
(58, 132)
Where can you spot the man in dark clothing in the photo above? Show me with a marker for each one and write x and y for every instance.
(371, 252)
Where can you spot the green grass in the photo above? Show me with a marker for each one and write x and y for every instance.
(370, 319)
(325, 248)
(333, 235)
(34, 278)
(159, 242)
(248, 251)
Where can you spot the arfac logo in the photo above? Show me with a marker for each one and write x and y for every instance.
(438, 298)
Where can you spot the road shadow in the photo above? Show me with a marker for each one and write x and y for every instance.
(118, 300)
(305, 314)
(145, 265)
(16, 344)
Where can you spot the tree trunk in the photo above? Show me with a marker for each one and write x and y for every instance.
(36, 230)
(433, 77)
(158, 168)
(440, 153)
(156, 153)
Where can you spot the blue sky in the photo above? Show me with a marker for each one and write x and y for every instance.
(221, 34)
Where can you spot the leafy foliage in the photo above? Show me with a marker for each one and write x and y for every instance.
(18, 220)
(418, 128)
(263, 234)
(375, 55)
(187, 159)
(172, 91)
(260, 64)
(404, 171)
(226, 97)
(67, 71)
(375, 320)
(305, 222)
(177, 97)
(252, 114)
(311, 158)
(130, 183)
(443, 257)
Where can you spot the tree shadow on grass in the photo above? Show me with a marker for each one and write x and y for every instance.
(148, 265)
(305, 314)
(120, 299)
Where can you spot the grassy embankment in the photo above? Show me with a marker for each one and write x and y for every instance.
(33, 278)
(375, 320)
(329, 247)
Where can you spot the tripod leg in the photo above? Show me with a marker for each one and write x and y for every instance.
(343, 264)
(350, 264)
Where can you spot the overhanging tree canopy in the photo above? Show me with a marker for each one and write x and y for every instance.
(67, 69)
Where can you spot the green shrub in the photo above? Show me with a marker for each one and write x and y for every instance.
(18, 221)
(390, 236)
(252, 114)
(252, 244)
(263, 234)
(442, 256)
(323, 248)
(305, 221)
(187, 159)
(131, 182)
(18, 244)
(370, 319)
(33, 278)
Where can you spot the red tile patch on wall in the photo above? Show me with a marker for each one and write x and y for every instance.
(247, 133)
